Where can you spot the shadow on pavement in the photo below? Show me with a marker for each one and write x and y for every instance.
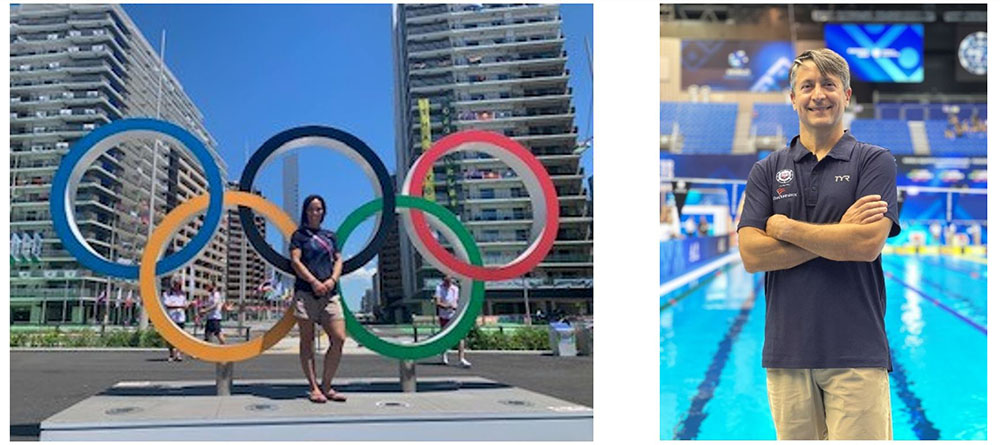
(25, 431)
(285, 391)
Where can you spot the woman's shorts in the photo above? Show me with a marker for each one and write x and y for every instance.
(308, 307)
(213, 326)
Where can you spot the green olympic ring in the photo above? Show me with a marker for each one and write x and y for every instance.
(452, 333)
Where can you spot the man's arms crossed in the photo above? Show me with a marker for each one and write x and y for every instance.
(838, 242)
(786, 243)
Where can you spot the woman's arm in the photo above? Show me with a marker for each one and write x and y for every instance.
(338, 267)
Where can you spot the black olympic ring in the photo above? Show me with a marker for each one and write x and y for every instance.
(344, 143)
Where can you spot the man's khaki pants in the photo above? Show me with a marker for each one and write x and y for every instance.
(836, 403)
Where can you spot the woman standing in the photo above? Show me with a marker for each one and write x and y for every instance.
(317, 265)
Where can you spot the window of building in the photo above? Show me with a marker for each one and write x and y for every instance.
(20, 314)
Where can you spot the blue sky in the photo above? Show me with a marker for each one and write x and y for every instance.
(255, 70)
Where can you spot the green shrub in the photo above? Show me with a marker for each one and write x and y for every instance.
(532, 338)
(83, 339)
(49, 339)
(18, 339)
(150, 338)
(121, 339)
(524, 338)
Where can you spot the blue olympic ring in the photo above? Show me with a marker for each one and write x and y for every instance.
(87, 150)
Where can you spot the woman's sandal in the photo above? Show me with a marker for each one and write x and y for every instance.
(316, 397)
(335, 396)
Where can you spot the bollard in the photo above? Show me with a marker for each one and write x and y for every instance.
(408, 375)
(223, 379)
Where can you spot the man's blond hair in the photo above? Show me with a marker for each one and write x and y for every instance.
(828, 62)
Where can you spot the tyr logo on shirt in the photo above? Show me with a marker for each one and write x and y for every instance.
(844, 178)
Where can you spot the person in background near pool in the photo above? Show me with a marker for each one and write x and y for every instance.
(816, 217)
(975, 232)
(446, 300)
(935, 233)
(317, 265)
(703, 226)
(213, 308)
(176, 303)
(690, 228)
(949, 234)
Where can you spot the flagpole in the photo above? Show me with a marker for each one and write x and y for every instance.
(143, 316)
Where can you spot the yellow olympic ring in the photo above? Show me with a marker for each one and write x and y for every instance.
(158, 315)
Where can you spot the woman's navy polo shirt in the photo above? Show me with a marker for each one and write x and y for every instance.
(316, 257)
(823, 313)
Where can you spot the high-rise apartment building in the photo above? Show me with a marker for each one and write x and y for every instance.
(290, 187)
(499, 68)
(245, 268)
(74, 68)
(388, 281)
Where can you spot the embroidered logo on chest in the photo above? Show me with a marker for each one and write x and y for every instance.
(782, 194)
(843, 178)
(784, 176)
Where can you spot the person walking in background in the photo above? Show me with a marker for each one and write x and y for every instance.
(176, 303)
(446, 301)
(825, 346)
(212, 311)
(317, 265)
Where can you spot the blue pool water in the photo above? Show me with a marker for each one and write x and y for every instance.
(712, 385)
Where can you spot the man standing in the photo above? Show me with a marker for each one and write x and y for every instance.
(446, 300)
(176, 303)
(815, 218)
(213, 308)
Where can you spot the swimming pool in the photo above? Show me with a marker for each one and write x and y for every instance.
(712, 385)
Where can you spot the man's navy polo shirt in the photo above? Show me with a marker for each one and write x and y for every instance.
(823, 313)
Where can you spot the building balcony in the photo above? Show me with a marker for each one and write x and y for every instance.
(545, 159)
(78, 22)
(461, 86)
(96, 117)
(455, 30)
(477, 200)
(459, 11)
(415, 13)
(558, 79)
(492, 119)
(556, 42)
(533, 100)
(68, 100)
(431, 67)
(502, 121)
(55, 24)
(569, 137)
(498, 220)
(54, 135)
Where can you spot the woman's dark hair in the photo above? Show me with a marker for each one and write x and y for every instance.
(304, 219)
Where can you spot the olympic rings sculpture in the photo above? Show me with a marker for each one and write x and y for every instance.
(468, 264)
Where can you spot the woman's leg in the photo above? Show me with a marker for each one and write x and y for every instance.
(336, 331)
(306, 356)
